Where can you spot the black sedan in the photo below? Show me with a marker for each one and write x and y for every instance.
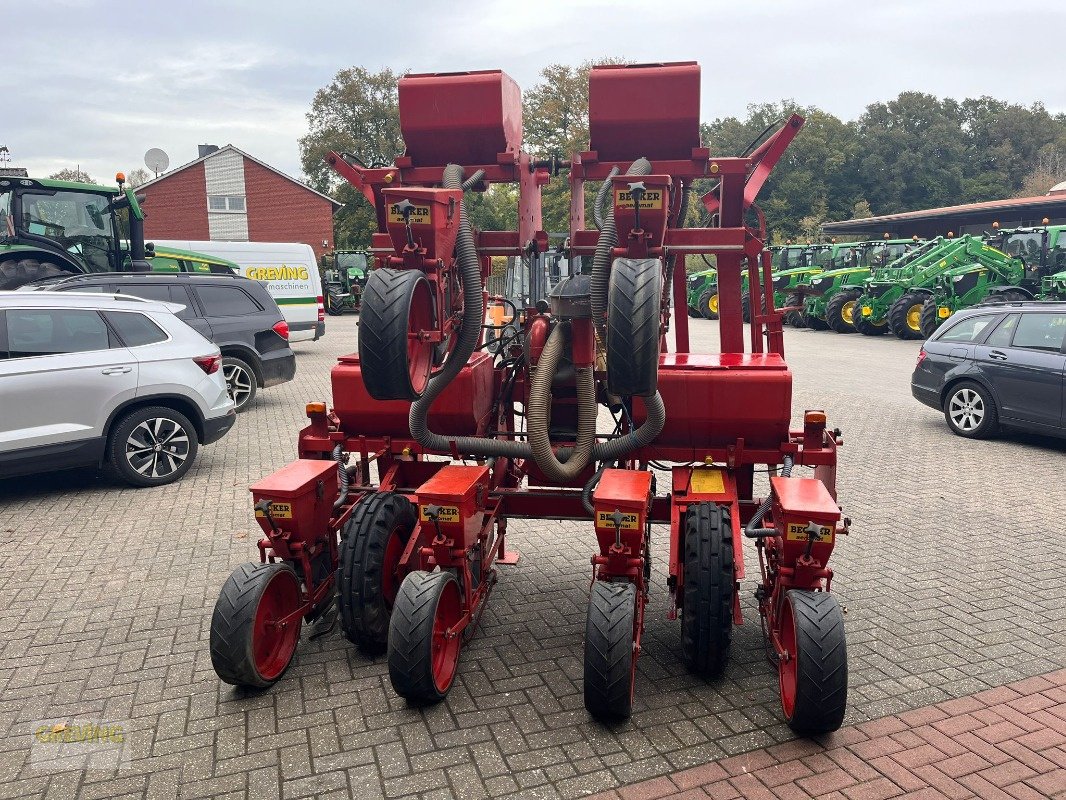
(997, 366)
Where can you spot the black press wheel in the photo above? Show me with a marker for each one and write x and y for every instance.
(240, 381)
(905, 315)
(633, 299)
(970, 410)
(423, 654)
(152, 446)
(396, 304)
(840, 310)
(710, 576)
(373, 542)
(814, 674)
(18, 272)
(255, 626)
(708, 308)
(609, 669)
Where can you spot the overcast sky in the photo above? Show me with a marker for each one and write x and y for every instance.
(98, 83)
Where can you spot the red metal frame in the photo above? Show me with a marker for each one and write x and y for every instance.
(729, 417)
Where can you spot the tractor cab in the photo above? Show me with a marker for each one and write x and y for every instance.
(1041, 249)
(49, 227)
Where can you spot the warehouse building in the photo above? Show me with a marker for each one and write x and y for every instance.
(1017, 212)
(229, 195)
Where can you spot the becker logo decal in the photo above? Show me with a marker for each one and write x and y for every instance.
(653, 198)
(630, 522)
(419, 214)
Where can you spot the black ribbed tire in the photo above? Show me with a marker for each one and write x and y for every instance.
(705, 306)
(930, 317)
(236, 656)
(333, 306)
(707, 603)
(366, 583)
(609, 629)
(820, 684)
(797, 319)
(390, 298)
(745, 307)
(417, 672)
(835, 310)
(634, 296)
(18, 272)
(900, 317)
(863, 324)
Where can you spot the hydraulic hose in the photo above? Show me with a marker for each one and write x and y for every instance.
(343, 478)
(601, 195)
(752, 529)
(540, 390)
(540, 397)
(601, 261)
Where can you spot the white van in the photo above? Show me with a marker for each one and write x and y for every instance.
(290, 272)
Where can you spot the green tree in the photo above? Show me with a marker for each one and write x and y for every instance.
(75, 174)
(357, 113)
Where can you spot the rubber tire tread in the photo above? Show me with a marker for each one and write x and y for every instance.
(710, 578)
(864, 327)
(634, 299)
(383, 320)
(797, 319)
(333, 308)
(18, 272)
(232, 622)
(834, 310)
(120, 432)
(989, 425)
(609, 650)
(930, 319)
(705, 308)
(411, 636)
(822, 663)
(897, 315)
(364, 612)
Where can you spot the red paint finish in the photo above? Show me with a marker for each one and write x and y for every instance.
(306, 508)
(175, 207)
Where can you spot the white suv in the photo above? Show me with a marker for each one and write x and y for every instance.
(98, 379)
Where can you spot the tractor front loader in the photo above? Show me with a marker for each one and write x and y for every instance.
(398, 506)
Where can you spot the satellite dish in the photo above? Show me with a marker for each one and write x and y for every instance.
(156, 160)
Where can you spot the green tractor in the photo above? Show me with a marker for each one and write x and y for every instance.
(829, 297)
(892, 297)
(344, 280)
(50, 228)
(1015, 267)
(702, 294)
(792, 268)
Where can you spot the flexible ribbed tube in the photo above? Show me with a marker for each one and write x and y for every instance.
(601, 261)
(540, 397)
(752, 529)
(601, 195)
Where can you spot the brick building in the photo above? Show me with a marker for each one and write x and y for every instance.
(228, 195)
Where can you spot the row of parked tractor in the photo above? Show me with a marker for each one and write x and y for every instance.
(905, 286)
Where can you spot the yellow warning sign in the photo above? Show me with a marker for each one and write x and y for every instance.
(277, 511)
(630, 521)
(653, 198)
(447, 514)
(708, 481)
(799, 533)
(420, 215)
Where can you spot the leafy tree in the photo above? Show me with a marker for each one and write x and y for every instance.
(1049, 171)
(75, 174)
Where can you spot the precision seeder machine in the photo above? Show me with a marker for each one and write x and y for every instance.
(397, 509)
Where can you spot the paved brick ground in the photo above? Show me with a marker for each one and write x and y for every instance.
(952, 582)
(1007, 743)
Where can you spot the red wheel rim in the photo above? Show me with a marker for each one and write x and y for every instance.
(445, 653)
(787, 667)
(274, 642)
(419, 351)
(390, 583)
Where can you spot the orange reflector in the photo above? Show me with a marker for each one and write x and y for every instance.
(814, 418)
(316, 408)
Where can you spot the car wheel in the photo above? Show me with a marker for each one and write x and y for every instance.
(152, 446)
(970, 410)
(240, 381)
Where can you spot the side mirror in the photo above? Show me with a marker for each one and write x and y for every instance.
(149, 249)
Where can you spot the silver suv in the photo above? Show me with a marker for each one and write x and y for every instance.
(106, 380)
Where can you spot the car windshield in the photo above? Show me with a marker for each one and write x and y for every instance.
(79, 221)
